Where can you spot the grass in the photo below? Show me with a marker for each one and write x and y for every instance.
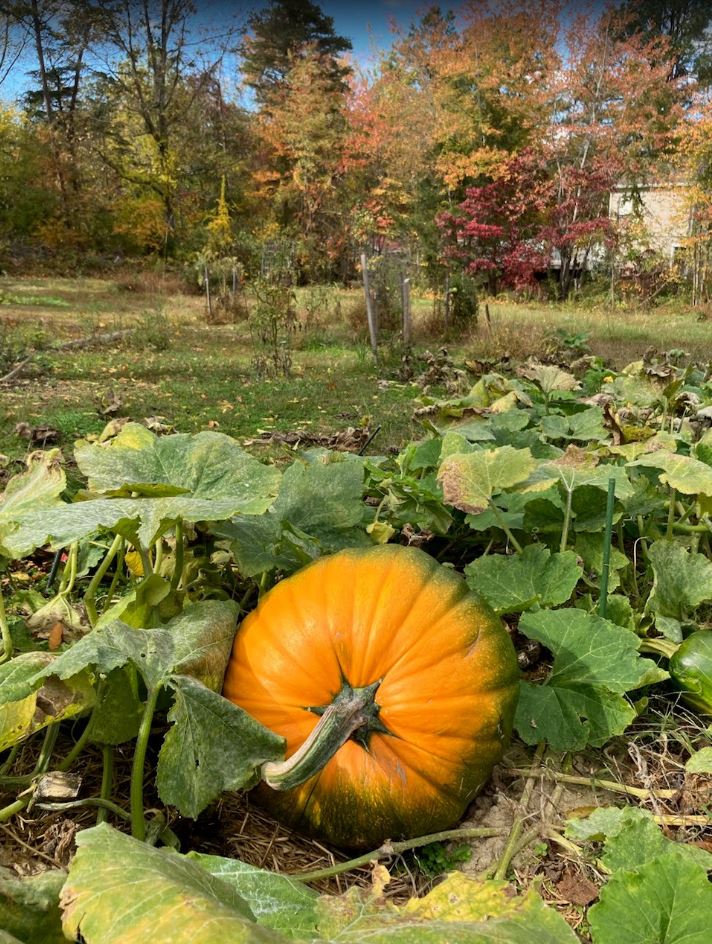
(199, 376)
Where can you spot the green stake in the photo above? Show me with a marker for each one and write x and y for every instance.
(607, 537)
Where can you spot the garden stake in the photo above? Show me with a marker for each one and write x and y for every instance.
(607, 538)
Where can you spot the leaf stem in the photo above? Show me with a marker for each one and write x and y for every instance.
(145, 559)
(90, 594)
(389, 849)
(515, 834)
(101, 802)
(107, 782)
(7, 644)
(503, 525)
(567, 521)
(117, 574)
(671, 514)
(180, 552)
(138, 822)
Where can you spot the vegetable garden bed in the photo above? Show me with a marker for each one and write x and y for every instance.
(577, 506)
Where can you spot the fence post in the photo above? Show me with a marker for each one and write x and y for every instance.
(370, 311)
(407, 322)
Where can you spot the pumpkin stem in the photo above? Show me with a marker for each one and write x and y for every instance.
(351, 710)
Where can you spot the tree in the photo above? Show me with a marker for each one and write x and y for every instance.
(280, 33)
(685, 23)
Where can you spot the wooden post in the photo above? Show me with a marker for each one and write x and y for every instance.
(446, 307)
(207, 293)
(488, 317)
(370, 310)
(407, 322)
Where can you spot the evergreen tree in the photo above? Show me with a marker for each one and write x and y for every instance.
(281, 31)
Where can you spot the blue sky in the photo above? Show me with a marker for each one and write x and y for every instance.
(366, 24)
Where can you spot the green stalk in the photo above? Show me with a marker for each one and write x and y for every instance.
(117, 574)
(567, 521)
(180, 550)
(70, 571)
(389, 849)
(18, 806)
(503, 525)
(107, 781)
(671, 514)
(9, 760)
(145, 560)
(7, 644)
(90, 595)
(607, 539)
(353, 708)
(100, 802)
(138, 822)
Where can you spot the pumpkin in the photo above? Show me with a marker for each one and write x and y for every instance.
(394, 686)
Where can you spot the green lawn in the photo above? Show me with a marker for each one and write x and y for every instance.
(199, 376)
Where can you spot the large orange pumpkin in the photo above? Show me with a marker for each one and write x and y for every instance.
(422, 679)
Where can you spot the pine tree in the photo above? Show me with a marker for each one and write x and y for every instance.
(279, 33)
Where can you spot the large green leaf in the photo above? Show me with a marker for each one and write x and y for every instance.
(37, 488)
(150, 483)
(681, 580)
(205, 465)
(687, 475)
(122, 891)
(319, 508)
(213, 746)
(576, 469)
(632, 838)
(536, 577)
(469, 480)
(668, 900)
(29, 907)
(277, 901)
(197, 643)
(585, 426)
(581, 702)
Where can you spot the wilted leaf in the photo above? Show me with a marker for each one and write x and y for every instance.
(122, 891)
(213, 746)
(277, 901)
(37, 488)
(460, 910)
(576, 469)
(549, 377)
(536, 577)
(469, 480)
(687, 475)
(581, 702)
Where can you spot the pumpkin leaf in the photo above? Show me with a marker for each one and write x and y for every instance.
(122, 891)
(213, 746)
(197, 643)
(30, 702)
(117, 713)
(581, 702)
(29, 907)
(469, 480)
(667, 900)
(683, 473)
(585, 426)
(700, 762)
(536, 577)
(632, 838)
(682, 580)
(577, 469)
(39, 487)
(549, 377)
(460, 910)
(206, 465)
(277, 901)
